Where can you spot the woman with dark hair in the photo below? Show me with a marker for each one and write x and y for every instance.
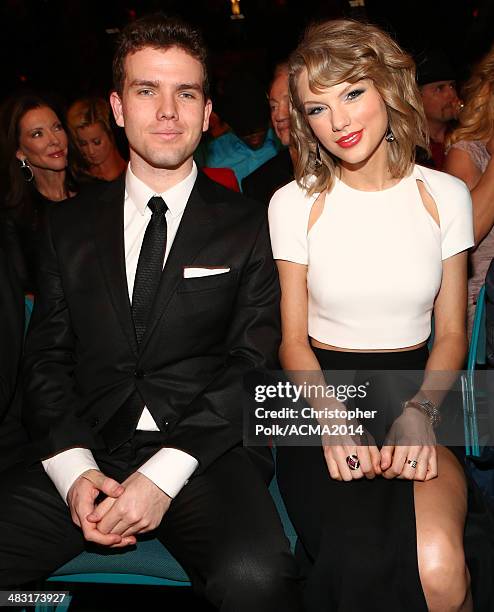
(37, 149)
(369, 246)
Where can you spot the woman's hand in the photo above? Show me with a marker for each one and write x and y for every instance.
(341, 447)
(409, 451)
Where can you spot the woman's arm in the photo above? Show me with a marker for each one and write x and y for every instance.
(412, 437)
(298, 359)
(450, 338)
(295, 351)
(460, 164)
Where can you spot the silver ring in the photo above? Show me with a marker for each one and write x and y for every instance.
(412, 463)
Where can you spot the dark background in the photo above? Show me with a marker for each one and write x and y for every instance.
(65, 46)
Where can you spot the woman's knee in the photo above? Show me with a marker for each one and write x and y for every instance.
(443, 573)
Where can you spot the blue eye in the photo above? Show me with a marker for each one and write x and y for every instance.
(315, 110)
(352, 95)
(187, 95)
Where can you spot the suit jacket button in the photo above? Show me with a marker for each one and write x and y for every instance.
(164, 426)
(139, 374)
(95, 422)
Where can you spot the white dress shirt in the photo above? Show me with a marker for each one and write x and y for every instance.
(168, 468)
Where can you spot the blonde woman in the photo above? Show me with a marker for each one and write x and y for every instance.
(469, 155)
(89, 122)
(368, 246)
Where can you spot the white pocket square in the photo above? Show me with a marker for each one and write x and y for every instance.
(197, 272)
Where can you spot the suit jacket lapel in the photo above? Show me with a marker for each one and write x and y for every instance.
(195, 231)
(108, 221)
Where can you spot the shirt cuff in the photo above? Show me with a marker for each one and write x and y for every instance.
(169, 469)
(65, 467)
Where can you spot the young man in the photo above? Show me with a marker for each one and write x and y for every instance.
(158, 293)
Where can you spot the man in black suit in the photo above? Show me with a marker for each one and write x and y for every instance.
(158, 294)
(261, 184)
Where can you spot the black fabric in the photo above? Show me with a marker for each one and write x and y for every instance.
(149, 266)
(227, 537)
(13, 437)
(261, 184)
(360, 536)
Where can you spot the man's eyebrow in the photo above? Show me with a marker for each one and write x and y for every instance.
(183, 86)
(144, 83)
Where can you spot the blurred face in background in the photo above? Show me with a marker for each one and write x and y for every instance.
(42, 140)
(279, 104)
(441, 102)
(95, 143)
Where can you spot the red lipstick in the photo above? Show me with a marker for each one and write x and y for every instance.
(350, 140)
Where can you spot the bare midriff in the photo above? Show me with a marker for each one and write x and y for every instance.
(329, 347)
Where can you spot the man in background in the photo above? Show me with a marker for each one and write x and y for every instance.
(277, 171)
(251, 141)
(436, 80)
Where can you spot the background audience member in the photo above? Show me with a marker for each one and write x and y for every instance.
(277, 171)
(436, 80)
(37, 150)
(89, 123)
(251, 141)
(469, 158)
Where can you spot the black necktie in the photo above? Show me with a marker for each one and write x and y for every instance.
(123, 423)
(149, 266)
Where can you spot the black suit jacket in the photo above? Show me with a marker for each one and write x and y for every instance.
(204, 334)
(261, 184)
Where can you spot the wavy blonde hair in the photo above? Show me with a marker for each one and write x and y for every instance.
(342, 50)
(87, 111)
(477, 117)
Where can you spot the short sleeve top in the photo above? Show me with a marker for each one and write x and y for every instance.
(374, 258)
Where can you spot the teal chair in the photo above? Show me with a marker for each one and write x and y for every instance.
(476, 357)
(149, 563)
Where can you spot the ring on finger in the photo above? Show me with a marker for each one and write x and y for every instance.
(412, 463)
(353, 462)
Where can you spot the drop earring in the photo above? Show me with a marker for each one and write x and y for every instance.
(26, 171)
(317, 158)
(390, 137)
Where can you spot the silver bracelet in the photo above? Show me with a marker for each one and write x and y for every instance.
(428, 408)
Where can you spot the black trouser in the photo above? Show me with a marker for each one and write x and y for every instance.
(223, 528)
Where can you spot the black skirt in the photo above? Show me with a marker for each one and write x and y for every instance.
(357, 539)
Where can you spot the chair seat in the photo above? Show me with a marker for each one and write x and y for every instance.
(149, 560)
(147, 563)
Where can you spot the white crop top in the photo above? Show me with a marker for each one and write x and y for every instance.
(374, 257)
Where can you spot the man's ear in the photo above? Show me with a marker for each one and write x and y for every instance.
(207, 112)
(116, 104)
